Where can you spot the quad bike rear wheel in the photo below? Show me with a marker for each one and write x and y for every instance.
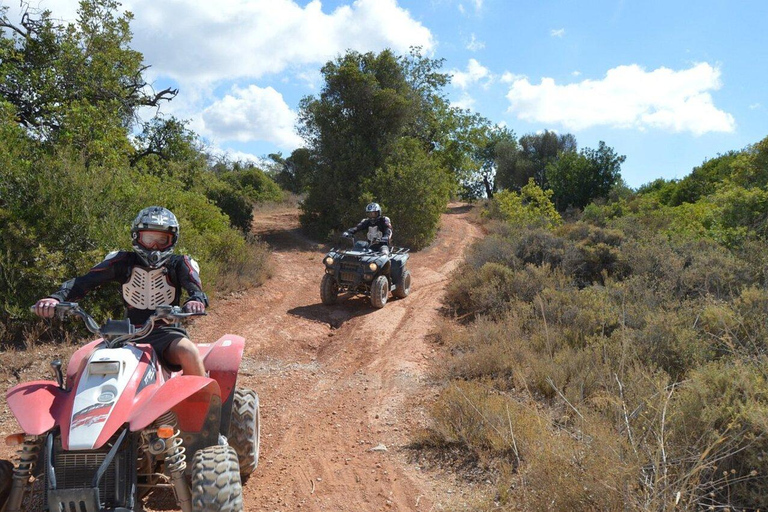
(379, 291)
(245, 430)
(403, 288)
(329, 290)
(216, 485)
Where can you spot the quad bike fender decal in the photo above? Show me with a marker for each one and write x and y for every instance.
(103, 400)
(222, 360)
(37, 405)
(186, 395)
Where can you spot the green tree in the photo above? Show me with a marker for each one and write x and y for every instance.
(535, 152)
(369, 101)
(76, 85)
(579, 178)
(415, 216)
(296, 172)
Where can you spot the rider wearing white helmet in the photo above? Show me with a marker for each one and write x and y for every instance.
(379, 228)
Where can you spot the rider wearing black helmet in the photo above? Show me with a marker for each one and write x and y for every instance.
(379, 228)
(150, 276)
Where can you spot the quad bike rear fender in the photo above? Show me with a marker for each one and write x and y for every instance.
(38, 406)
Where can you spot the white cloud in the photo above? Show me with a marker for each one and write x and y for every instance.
(475, 73)
(576, 73)
(199, 46)
(755, 106)
(464, 102)
(475, 45)
(628, 97)
(199, 42)
(560, 32)
(235, 39)
(509, 78)
(252, 114)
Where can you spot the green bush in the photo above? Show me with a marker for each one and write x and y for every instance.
(532, 207)
(415, 217)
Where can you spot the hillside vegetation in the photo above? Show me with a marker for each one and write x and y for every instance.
(619, 361)
(77, 164)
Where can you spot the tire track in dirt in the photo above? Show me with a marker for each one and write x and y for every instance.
(336, 382)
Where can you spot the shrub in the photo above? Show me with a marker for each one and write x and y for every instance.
(718, 426)
(415, 216)
(531, 207)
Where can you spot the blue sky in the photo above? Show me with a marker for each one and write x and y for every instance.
(668, 84)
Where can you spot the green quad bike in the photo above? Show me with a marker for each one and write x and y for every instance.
(361, 270)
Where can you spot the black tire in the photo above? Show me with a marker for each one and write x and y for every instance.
(403, 288)
(6, 481)
(245, 430)
(329, 290)
(216, 485)
(379, 292)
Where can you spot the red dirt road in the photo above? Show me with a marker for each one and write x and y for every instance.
(336, 383)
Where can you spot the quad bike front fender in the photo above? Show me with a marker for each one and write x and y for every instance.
(37, 405)
(222, 361)
(188, 396)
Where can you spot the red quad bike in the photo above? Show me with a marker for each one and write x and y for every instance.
(121, 425)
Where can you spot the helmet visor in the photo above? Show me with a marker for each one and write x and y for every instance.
(373, 214)
(155, 240)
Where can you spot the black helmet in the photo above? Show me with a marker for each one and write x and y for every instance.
(154, 233)
(373, 211)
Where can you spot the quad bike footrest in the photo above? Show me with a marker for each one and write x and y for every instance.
(81, 500)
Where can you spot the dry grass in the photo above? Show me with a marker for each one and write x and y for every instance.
(592, 372)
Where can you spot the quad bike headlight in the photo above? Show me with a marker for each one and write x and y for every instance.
(373, 267)
(328, 261)
(104, 367)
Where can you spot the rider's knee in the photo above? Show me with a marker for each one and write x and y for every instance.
(185, 349)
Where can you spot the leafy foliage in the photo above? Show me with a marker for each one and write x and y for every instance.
(530, 207)
(72, 179)
(374, 112)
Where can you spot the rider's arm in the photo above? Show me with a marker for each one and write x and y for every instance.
(189, 279)
(387, 231)
(108, 270)
(362, 225)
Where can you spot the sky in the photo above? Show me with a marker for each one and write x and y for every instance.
(669, 84)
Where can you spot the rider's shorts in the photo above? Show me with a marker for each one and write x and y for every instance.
(161, 338)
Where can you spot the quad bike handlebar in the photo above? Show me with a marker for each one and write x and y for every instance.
(118, 332)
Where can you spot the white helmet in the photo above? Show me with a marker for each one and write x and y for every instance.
(373, 211)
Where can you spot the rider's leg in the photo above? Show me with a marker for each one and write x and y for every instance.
(184, 353)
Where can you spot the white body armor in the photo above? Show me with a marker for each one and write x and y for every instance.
(374, 234)
(147, 289)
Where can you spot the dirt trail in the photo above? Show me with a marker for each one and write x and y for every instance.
(336, 382)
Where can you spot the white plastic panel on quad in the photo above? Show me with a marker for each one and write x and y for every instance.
(97, 393)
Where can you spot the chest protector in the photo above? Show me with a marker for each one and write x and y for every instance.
(374, 233)
(147, 289)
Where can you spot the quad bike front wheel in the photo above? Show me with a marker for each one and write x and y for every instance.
(379, 291)
(403, 288)
(216, 485)
(245, 430)
(329, 290)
